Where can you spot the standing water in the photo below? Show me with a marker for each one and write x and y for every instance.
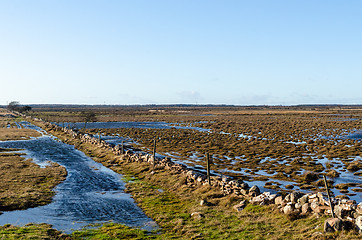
(90, 194)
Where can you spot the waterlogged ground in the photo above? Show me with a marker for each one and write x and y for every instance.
(277, 151)
(90, 194)
(103, 125)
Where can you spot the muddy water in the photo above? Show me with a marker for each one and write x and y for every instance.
(90, 194)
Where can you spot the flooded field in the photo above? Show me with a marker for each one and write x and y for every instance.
(280, 149)
(90, 194)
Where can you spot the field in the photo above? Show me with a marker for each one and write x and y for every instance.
(281, 148)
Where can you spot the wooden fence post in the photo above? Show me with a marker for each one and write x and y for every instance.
(208, 167)
(122, 148)
(329, 196)
(154, 151)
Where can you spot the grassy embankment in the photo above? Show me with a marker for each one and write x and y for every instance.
(165, 198)
(24, 184)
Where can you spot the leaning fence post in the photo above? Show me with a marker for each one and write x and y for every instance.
(154, 151)
(329, 197)
(208, 167)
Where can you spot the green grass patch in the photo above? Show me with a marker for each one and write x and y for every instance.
(112, 231)
(30, 231)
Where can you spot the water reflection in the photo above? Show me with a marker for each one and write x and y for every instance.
(91, 193)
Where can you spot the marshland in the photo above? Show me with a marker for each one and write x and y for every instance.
(279, 149)
(283, 149)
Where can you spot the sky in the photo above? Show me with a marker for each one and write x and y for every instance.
(260, 52)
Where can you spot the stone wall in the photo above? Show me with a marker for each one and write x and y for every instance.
(347, 212)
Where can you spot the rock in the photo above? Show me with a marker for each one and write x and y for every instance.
(288, 209)
(306, 208)
(243, 192)
(258, 200)
(359, 208)
(320, 209)
(321, 198)
(239, 207)
(333, 224)
(303, 199)
(200, 179)
(359, 224)
(197, 215)
(287, 198)
(225, 178)
(244, 186)
(294, 196)
(297, 206)
(342, 210)
(263, 199)
(314, 205)
(312, 196)
(279, 200)
(203, 203)
(271, 198)
(254, 191)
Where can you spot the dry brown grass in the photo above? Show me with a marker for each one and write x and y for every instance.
(17, 134)
(274, 133)
(24, 184)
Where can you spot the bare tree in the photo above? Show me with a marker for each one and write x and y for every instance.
(88, 117)
(15, 106)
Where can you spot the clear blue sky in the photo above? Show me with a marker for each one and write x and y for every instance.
(181, 51)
